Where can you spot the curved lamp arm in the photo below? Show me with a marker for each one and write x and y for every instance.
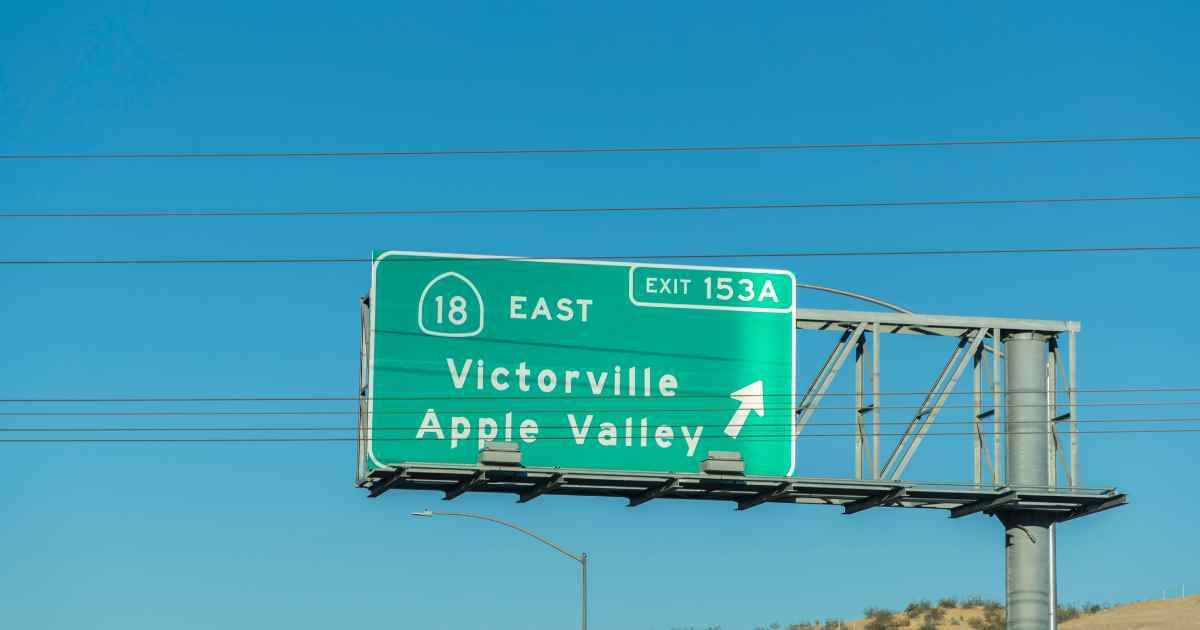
(506, 524)
(857, 296)
(866, 298)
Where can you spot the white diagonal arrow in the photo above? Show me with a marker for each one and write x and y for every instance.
(751, 397)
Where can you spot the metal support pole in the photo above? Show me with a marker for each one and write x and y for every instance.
(996, 406)
(875, 400)
(1029, 568)
(1071, 408)
(364, 357)
(1053, 575)
(583, 592)
(977, 432)
(1051, 414)
(1029, 548)
(860, 437)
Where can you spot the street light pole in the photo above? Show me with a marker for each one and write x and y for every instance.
(583, 591)
(582, 558)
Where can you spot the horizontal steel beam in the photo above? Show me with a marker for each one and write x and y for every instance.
(919, 324)
(744, 491)
(1116, 501)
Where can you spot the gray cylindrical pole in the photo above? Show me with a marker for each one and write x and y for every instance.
(1025, 374)
(1029, 546)
(583, 563)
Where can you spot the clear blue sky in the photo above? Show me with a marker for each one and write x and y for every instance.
(242, 536)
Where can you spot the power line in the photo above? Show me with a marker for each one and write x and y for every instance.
(483, 152)
(563, 427)
(1120, 249)
(755, 438)
(334, 212)
(395, 412)
(334, 398)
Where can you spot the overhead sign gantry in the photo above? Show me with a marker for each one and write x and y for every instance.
(643, 381)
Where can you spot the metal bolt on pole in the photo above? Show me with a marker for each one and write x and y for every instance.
(1029, 544)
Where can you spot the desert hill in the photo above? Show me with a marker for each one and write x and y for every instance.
(978, 614)
(1155, 614)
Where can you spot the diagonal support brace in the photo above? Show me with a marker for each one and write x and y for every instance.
(989, 504)
(765, 496)
(833, 364)
(940, 391)
(887, 498)
(549, 484)
(669, 485)
(479, 478)
(390, 482)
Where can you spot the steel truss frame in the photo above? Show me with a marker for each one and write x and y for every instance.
(973, 334)
(860, 335)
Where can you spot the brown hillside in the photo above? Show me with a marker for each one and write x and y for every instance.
(955, 619)
(1155, 614)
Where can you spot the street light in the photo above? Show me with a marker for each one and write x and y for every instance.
(582, 558)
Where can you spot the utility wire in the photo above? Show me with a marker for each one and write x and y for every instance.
(754, 438)
(334, 398)
(1119, 249)
(757, 425)
(396, 412)
(481, 152)
(335, 212)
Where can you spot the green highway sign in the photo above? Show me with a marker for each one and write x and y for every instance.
(582, 364)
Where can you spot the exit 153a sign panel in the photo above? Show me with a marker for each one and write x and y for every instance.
(583, 364)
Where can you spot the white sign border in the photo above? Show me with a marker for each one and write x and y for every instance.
(713, 307)
(610, 263)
